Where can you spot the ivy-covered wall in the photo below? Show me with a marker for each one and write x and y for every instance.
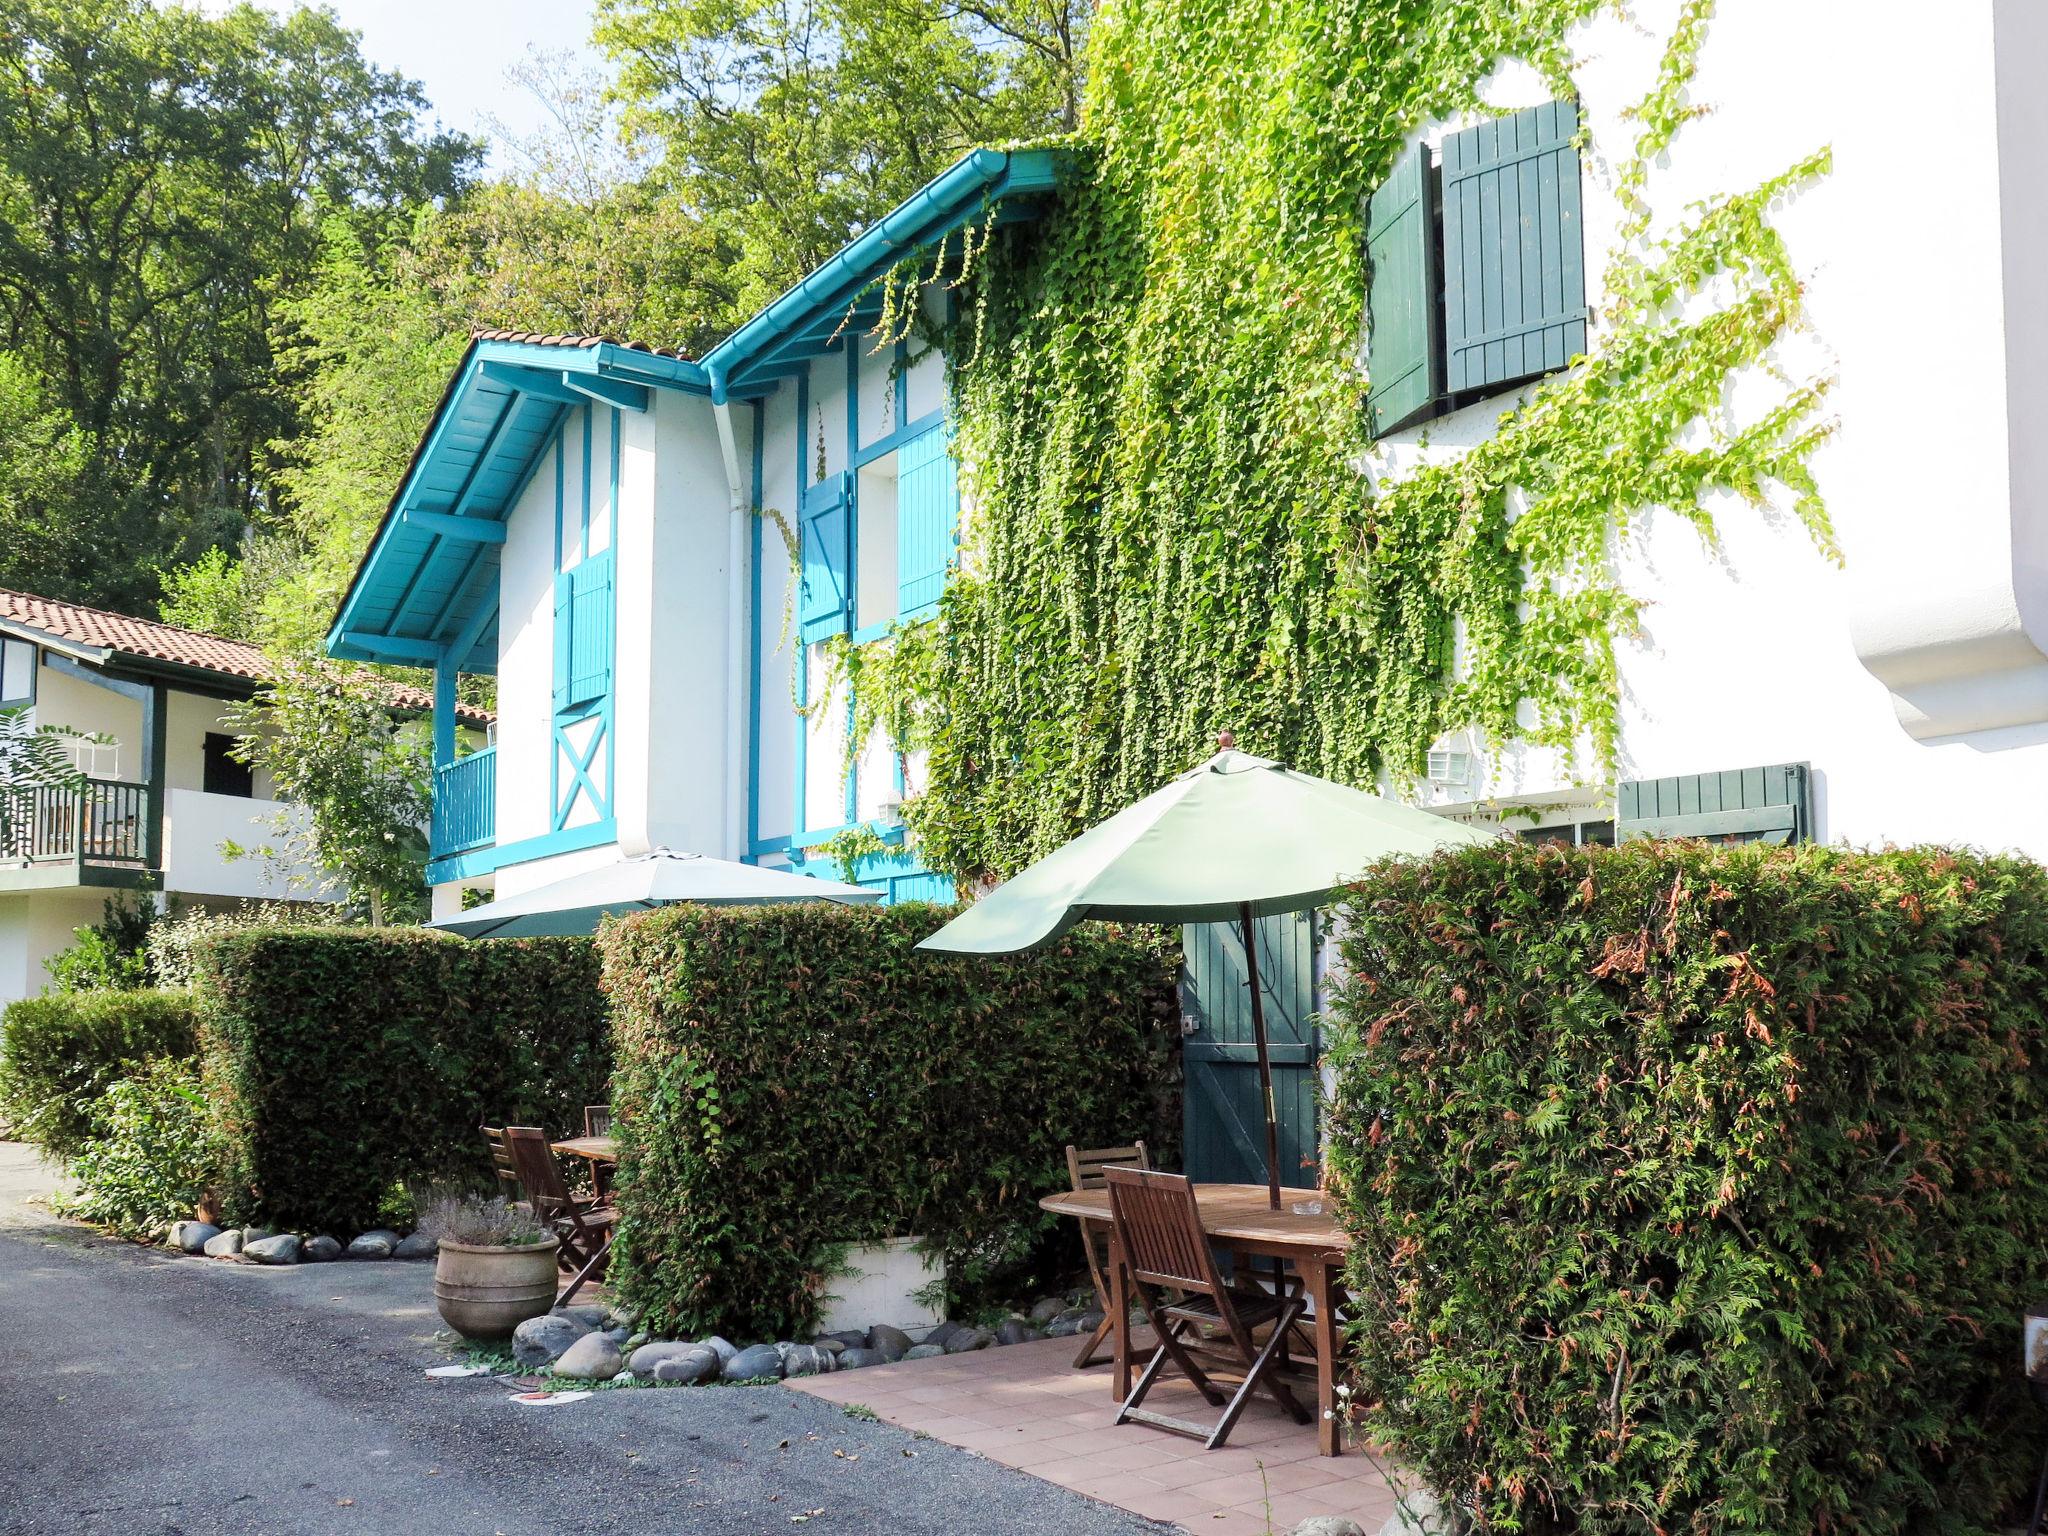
(1159, 398)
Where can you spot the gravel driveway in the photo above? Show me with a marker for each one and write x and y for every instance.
(146, 1394)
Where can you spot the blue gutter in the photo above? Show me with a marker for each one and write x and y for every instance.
(939, 203)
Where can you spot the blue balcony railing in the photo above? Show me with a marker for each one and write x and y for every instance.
(466, 804)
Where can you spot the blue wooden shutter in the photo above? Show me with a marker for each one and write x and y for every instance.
(1514, 255)
(1223, 1114)
(1745, 805)
(562, 647)
(927, 509)
(827, 541)
(590, 630)
(1404, 366)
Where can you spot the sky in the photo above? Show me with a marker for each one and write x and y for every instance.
(459, 50)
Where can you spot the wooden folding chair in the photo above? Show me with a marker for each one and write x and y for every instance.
(585, 1233)
(501, 1164)
(597, 1119)
(1086, 1168)
(1159, 1228)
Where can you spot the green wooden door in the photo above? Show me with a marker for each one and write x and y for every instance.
(1225, 1123)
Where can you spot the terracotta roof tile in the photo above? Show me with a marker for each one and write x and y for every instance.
(536, 339)
(167, 642)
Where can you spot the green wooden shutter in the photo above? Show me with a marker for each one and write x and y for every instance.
(1514, 255)
(1744, 805)
(1404, 357)
(927, 510)
(826, 539)
(1224, 1118)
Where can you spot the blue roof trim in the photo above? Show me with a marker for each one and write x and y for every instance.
(424, 577)
(802, 322)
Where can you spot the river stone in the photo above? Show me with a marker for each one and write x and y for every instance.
(594, 1357)
(1088, 1321)
(807, 1360)
(418, 1246)
(892, 1343)
(1048, 1309)
(924, 1352)
(541, 1340)
(1329, 1525)
(721, 1348)
(860, 1359)
(592, 1318)
(750, 1364)
(282, 1249)
(846, 1338)
(648, 1356)
(1068, 1322)
(700, 1365)
(223, 1245)
(192, 1236)
(320, 1250)
(942, 1333)
(967, 1340)
(372, 1245)
(1015, 1331)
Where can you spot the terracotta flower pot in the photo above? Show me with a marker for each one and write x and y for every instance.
(485, 1293)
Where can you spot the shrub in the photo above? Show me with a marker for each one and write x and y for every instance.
(343, 1061)
(151, 1154)
(60, 1053)
(485, 1222)
(1697, 1189)
(794, 1079)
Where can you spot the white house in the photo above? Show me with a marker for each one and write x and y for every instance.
(650, 553)
(607, 527)
(163, 792)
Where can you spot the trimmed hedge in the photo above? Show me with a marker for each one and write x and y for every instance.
(1698, 1189)
(60, 1053)
(342, 1061)
(794, 1079)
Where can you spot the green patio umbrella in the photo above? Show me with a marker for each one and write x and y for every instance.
(1234, 840)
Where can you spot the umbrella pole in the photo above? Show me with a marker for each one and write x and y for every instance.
(1251, 970)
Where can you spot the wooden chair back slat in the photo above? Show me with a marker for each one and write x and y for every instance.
(1160, 1227)
(1086, 1167)
(501, 1163)
(597, 1119)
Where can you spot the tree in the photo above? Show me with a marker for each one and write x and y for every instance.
(162, 177)
(359, 780)
(790, 125)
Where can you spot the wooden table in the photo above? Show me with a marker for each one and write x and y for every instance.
(601, 1152)
(1238, 1217)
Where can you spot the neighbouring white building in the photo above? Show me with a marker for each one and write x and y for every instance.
(163, 792)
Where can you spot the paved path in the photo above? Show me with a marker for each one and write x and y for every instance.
(163, 1396)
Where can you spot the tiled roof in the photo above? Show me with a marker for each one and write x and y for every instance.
(167, 642)
(536, 339)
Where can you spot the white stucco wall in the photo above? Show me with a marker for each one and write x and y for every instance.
(1764, 651)
(526, 660)
(35, 925)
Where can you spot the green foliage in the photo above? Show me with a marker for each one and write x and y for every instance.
(795, 1079)
(39, 756)
(1697, 1190)
(151, 1156)
(341, 1062)
(162, 178)
(1159, 398)
(359, 783)
(61, 1053)
(790, 126)
(109, 954)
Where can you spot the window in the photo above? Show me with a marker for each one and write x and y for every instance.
(223, 775)
(1477, 266)
(1577, 834)
(17, 673)
(874, 574)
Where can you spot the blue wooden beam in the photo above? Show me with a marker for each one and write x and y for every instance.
(463, 530)
(627, 397)
(530, 381)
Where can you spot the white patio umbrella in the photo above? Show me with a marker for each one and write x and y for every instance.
(1233, 840)
(574, 904)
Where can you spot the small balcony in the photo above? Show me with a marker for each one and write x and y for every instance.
(95, 834)
(465, 804)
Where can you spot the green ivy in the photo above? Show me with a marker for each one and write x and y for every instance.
(1159, 399)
